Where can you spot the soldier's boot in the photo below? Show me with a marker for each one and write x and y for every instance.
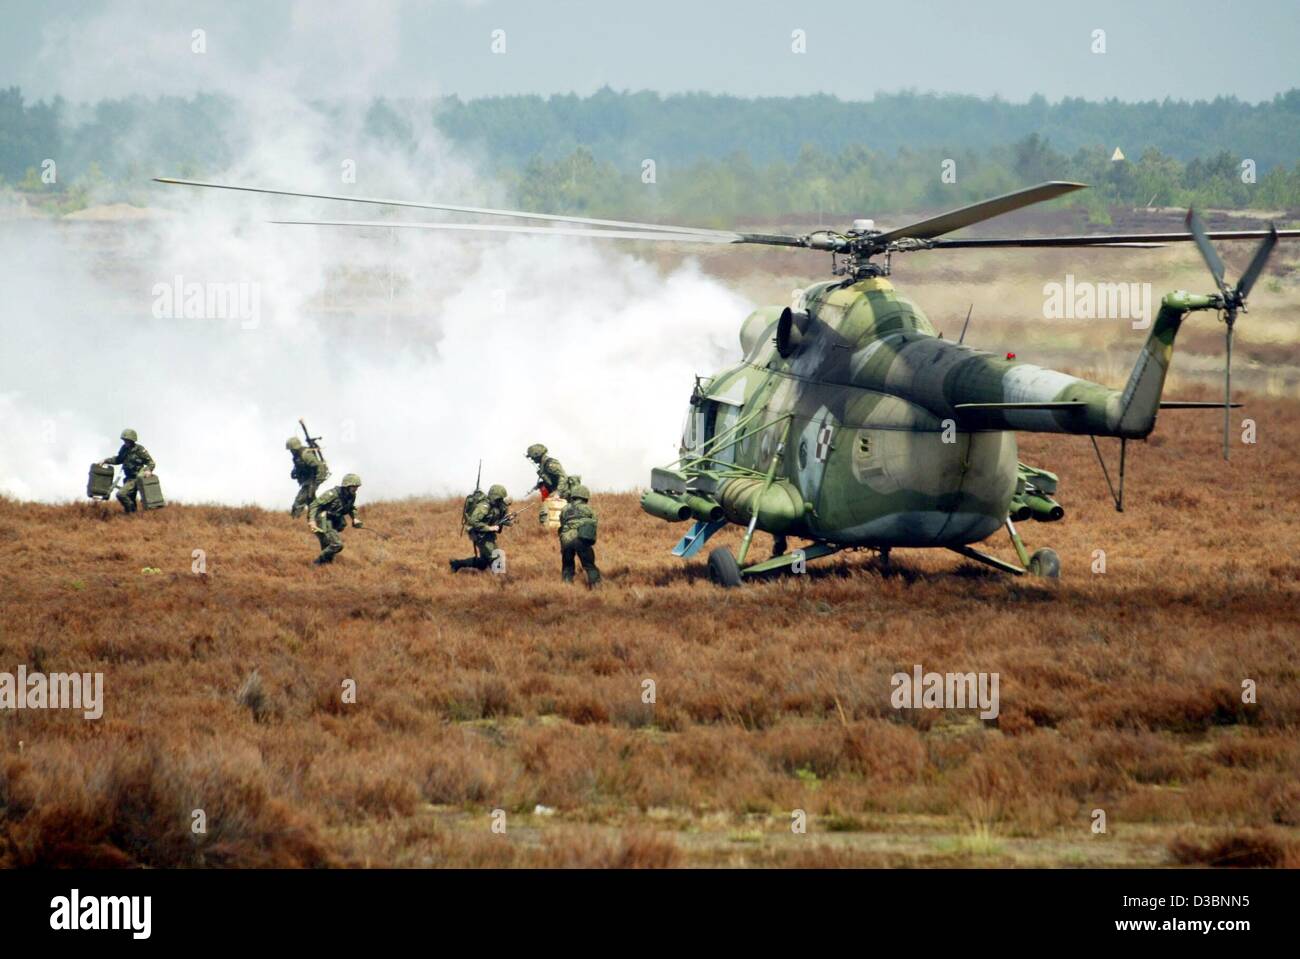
(458, 564)
(593, 576)
(567, 576)
(323, 558)
(779, 546)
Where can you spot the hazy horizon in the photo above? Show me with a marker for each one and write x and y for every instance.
(94, 49)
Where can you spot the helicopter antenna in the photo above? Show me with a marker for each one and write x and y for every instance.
(961, 338)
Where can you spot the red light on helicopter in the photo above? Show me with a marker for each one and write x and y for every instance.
(1011, 356)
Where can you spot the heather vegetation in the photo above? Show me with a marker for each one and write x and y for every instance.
(1121, 690)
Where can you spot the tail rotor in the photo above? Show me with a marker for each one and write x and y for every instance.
(1232, 299)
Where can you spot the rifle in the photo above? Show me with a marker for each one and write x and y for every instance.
(313, 442)
(478, 481)
(510, 517)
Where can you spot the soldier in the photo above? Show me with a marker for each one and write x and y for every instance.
(550, 474)
(483, 523)
(309, 470)
(328, 514)
(578, 536)
(136, 464)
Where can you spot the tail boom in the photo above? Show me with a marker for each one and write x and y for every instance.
(991, 393)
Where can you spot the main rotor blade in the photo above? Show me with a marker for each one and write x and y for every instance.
(1208, 253)
(1139, 240)
(449, 207)
(977, 212)
(528, 230)
(1256, 266)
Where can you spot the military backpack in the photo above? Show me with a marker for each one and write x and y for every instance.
(472, 500)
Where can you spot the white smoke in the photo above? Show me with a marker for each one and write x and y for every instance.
(413, 353)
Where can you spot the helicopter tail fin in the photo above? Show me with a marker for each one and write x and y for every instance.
(1140, 400)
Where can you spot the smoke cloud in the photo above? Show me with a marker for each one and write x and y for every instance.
(412, 353)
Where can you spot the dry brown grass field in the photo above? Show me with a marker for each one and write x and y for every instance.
(1120, 691)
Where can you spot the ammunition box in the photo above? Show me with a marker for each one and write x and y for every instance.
(100, 483)
(549, 517)
(151, 492)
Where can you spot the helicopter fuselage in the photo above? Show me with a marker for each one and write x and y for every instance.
(878, 432)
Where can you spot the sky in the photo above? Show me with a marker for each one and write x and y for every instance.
(87, 49)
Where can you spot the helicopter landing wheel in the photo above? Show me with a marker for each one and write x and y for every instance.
(1045, 563)
(724, 571)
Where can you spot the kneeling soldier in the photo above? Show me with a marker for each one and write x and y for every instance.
(328, 515)
(578, 536)
(483, 524)
(136, 464)
(309, 470)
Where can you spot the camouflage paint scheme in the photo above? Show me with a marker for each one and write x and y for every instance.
(869, 392)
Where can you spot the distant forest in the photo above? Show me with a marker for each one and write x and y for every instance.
(717, 158)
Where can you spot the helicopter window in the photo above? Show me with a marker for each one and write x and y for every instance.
(710, 420)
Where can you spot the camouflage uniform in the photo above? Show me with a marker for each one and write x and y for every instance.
(550, 474)
(309, 470)
(578, 537)
(489, 512)
(134, 459)
(329, 513)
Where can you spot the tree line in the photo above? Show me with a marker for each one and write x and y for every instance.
(717, 159)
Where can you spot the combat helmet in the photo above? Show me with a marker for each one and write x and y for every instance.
(536, 452)
(293, 443)
(579, 492)
(497, 493)
(351, 479)
(130, 434)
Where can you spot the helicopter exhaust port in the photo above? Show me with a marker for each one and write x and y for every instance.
(790, 330)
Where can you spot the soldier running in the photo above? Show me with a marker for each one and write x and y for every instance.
(136, 464)
(578, 536)
(328, 515)
(484, 521)
(550, 474)
(309, 470)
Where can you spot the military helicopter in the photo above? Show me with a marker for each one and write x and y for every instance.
(849, 423)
